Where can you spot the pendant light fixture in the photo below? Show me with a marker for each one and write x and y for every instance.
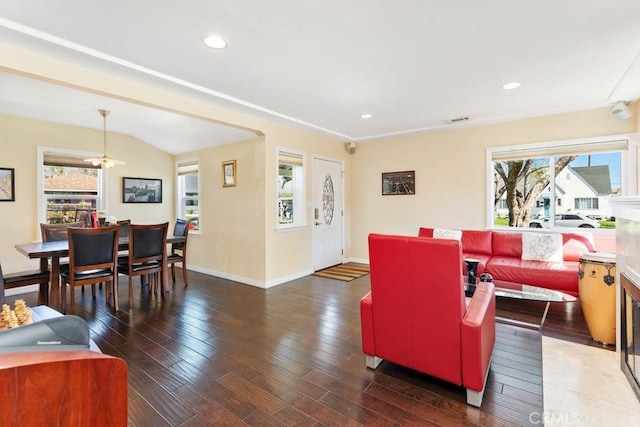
(105, 161)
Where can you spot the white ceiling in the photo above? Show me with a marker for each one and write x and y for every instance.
(412, 64)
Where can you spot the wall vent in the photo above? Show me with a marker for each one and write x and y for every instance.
(457, 120)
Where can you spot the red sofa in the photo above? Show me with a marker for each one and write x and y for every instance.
(500, 254)
(416, 314)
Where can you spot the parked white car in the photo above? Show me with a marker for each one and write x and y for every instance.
(574, 220)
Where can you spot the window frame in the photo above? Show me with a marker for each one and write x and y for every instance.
(101, 200)
(628, 163)
(179, 193)
(299, 203)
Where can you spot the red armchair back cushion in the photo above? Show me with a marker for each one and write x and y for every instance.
(417, 287)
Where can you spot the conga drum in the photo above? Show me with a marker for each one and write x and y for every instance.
(596, 285)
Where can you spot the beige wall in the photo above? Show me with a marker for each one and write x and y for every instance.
(19, 141)
(450, 172)
(244, 244)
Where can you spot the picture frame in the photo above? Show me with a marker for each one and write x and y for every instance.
(229, 177)
(398, 183)
(7, 185)
(141, 190)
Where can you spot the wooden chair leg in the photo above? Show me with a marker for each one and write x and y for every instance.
(72, 296)
(63, 297)
(184, 273)
(93, 290)
(173, 272)
(114, 284)
(130, 292)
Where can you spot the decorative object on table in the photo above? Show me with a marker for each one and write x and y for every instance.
(104, 161)
(7, 185)
(229, 173)
(141, 190)
(398, 183)
(20, 315)
(472, 271)
(596, 285)
(486, 278)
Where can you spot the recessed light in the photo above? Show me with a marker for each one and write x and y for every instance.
(366, 116)
(215, 42)
(512, 85)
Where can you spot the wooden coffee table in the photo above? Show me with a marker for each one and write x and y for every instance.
(527, 293)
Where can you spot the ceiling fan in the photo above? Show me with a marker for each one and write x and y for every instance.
(104, 161)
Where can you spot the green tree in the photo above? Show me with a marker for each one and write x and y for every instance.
(523, 181)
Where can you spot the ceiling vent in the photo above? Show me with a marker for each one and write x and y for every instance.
(457, 120)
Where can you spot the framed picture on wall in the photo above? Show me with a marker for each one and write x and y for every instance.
(141, 190)
(7, 185)
(398, 183)
(229, 173)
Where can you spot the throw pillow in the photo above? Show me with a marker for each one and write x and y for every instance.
(442, 233)
(542, 247)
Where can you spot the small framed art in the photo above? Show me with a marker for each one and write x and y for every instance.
(7, 185)
(141, 190)
(229, 178)
(398, 183)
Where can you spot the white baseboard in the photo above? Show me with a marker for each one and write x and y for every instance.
(358, 260)
(21, 290)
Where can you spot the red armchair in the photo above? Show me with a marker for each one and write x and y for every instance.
(417, 316)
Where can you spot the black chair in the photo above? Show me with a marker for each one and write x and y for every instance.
(26, 278)
(179, 250)
(93, 258)
(147, 256)
(84, 215)
(124, 227)
(57, 232)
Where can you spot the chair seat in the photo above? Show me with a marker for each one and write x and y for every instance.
(31, 276)
(174, 258)
(89, 274)
(124, 267)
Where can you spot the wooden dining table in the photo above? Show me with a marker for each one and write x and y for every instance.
(59, 249)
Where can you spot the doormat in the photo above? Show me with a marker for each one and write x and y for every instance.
(345, 272)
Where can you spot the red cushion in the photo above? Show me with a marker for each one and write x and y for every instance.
(506, 243)
(476, 241)
(559, 276)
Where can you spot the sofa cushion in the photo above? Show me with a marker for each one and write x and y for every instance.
(542, 247)
(476, 242)
(559, 276)
(574, 245)
(506, 243)
(443, 233)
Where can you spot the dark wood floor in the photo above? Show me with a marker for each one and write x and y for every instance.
(223, 353)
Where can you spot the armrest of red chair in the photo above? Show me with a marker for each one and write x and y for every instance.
(478, 336)
(366, 322)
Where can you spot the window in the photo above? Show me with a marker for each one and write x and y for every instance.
(188, 191)
(586, 203)
(290, 189)
(587, 174)
(67, 185)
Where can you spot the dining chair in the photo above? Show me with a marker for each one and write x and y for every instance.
(124, 227)
(57, 232)
(179, 250)
(26, 278)
(147, 256)
(84, 215)
(93, 258)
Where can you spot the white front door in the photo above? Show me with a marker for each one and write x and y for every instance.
(327, 213)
